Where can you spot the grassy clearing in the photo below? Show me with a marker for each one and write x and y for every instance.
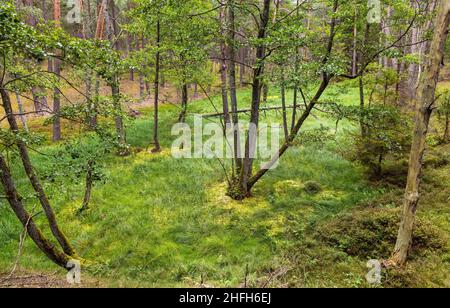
(160, 221)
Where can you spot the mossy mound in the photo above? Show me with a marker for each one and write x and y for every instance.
(312, 188)
(371, 233)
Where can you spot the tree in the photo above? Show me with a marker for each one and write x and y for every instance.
(57, 71)
(444, 111)
(425, 100)
(24, 41)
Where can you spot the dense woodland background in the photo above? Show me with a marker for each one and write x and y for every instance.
(89, 100)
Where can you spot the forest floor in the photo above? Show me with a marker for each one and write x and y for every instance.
(157, 221)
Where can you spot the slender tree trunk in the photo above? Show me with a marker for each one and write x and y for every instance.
(242, 66)
(156, 146)
(21, 112)
(184, 103)
(362, 106)
(355, 47)
(141, 45)
(88, 188)
(223, 67)
(250, 145)
(57, 71)
(294, 110)
(299, 124)
(34, 179)
(283, 105)
(232, 86)
(15, 201)
(424, 107)
(120, 129)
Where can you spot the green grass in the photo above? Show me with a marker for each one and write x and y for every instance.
(160, 221)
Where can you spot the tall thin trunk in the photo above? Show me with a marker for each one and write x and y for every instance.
(223, 67)
(242, 66)
(424, 108)
(283, 105)
(296, 67)
(34, 179)
(141, 44)
(120, 129)
(156, 145)
(57, 71)
(256, 100)
(361, 85)
(21, 112)
(184, 103)
(232, 86)
(355, 49)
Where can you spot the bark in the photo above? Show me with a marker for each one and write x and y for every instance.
(88, 189)
(15, 201)
(283, 105)
(57, 71)
(223, 67)
(141, 44)
(424, 106)
(232, 86)
(156, 145)
(256, 100)
(242, 66)
(34, 179)
(57, 104)
(363, 126)
(184, 103)
(21, 112)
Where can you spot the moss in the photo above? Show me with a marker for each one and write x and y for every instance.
(372, 233)
(312, 188)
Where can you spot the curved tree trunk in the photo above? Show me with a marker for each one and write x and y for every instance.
(15, 201)
(34, 179)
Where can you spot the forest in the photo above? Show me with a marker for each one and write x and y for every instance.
(224, 143)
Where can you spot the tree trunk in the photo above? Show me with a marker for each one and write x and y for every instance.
(21, 112)
(299, 124)
(34, 179)
(120, 129)
(156, 146)
(283, 105)
(250, 145)
(424, 106)
(184, 103)
(57, 71)
(88, 189)
(242, 67)
(355, 49)
(223, 67)
(15, 201)
(232, 86)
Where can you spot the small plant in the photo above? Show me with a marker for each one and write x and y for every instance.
(312, 188)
